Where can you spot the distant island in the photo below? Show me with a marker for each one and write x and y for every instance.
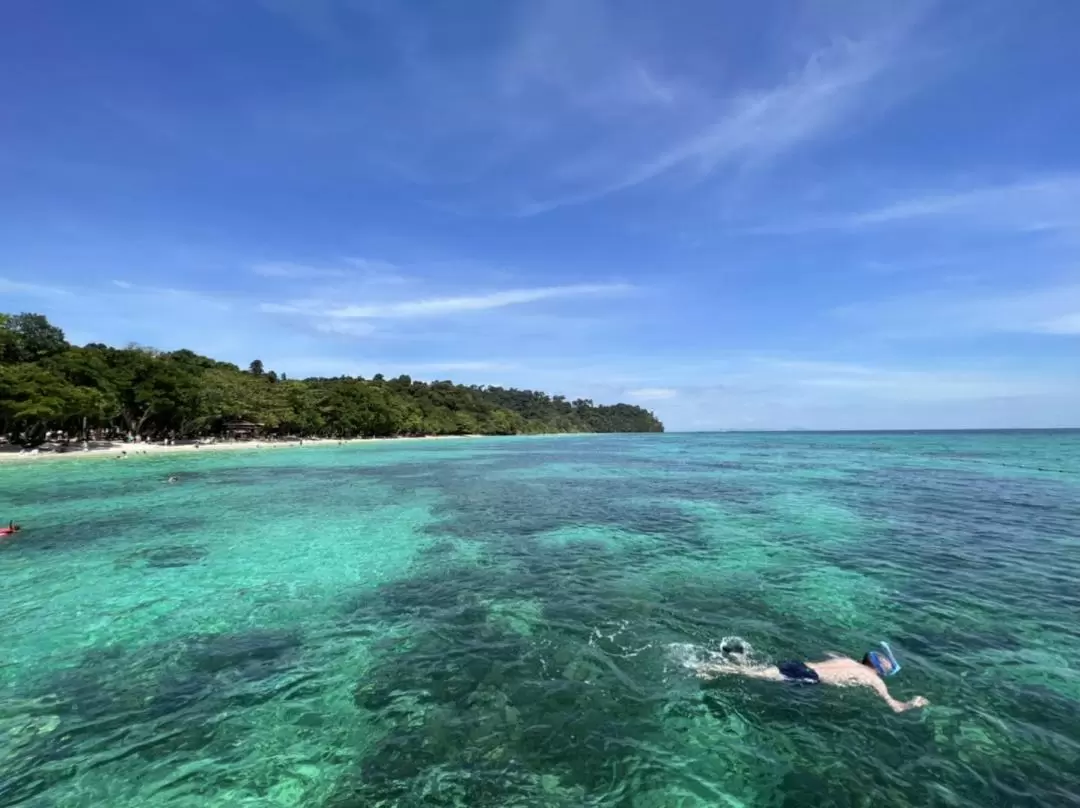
(49, 387)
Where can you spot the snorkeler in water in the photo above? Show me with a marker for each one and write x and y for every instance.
(836, 670)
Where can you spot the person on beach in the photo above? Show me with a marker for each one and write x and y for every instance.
(836, 670)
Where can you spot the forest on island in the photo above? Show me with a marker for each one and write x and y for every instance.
(49, 386)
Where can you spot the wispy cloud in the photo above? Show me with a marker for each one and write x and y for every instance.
(390, 367)
(434, 307)
(748, 391)
(296, 271)
(157, 296)
(757, 127)
(791, 393)
(811, 379)
(1053, 310)
(376, 270)
(571, 101)
(443, 306)
(652, 393)
(361, 270)
(462, 365)
(1041, 204)
(121, 290)
(166, 318)
(31, 289)
(899, 384)
(343, 328)
(319, 19)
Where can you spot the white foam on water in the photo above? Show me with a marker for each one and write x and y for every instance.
(691, 656)
(733, 650)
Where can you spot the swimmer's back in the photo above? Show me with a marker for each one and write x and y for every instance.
(842, 671)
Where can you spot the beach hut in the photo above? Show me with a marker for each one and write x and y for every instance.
(242, 430)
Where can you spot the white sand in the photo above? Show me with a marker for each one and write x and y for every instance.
(11, 454)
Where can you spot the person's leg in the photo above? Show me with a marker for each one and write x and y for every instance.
(708, 670)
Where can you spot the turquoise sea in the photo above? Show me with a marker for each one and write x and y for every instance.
(488, 623)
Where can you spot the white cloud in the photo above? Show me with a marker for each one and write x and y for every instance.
(300, 366)
(1035, 205)
(463, 365)
(533, 320)
(812, 379)
(319, 19)
(433, 307)
(571, 101)
(923, 386)
(343, 328)
(287, 270)
(281, 308)
(793, 393)
(32, 289)
(742, 391)
(165, 318)
(158, 296)
(151, 296)
(1044, 204)
(1067, 324)
(376, 270)
(1051, 311)
(652, 393)
(363, 271)
(761, 125)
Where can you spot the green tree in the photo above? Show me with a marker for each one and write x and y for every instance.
(34, 400)
(45, 384)
(8, 341)
(29, 338)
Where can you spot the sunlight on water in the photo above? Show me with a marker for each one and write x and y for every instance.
(491, 623)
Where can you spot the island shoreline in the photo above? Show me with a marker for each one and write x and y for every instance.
(118, 449)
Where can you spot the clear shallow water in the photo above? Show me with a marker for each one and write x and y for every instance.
(486, 623)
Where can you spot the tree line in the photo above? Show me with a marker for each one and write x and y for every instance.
(48, 385)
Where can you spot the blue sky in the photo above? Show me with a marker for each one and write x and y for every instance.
(767, 215)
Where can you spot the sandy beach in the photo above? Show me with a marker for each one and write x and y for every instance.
(115, 449)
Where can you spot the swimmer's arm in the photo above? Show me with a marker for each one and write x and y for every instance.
(897, 706)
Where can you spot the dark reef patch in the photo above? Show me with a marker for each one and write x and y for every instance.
(176, 555)
(65, 537)
(152, 702)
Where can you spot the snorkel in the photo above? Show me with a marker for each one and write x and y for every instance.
(875, 659)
